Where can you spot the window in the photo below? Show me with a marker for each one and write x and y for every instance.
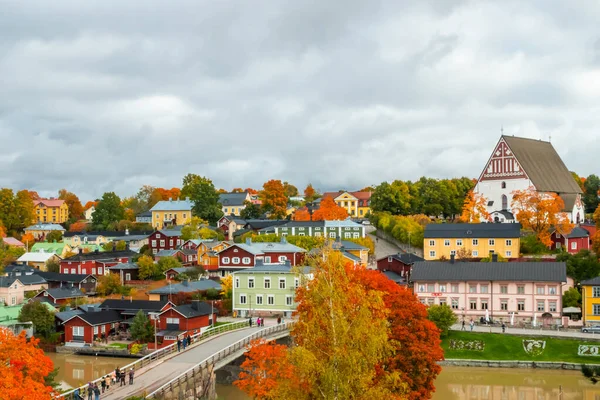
(270, 299)
(259, 299)
(162, 243)
(475, 242)
(475, 253)
(289, 300)
(282, 259)
(431, 287)
(103, 328)
(472, 288)
(508, 253)
(242, 299)
(171, 242)
(504, 305)
(552, 290)
(332, 235)
(184, 215)
(237, 283)
(246, 260)
(421, 288)
(267, 283)
(442, 288)
(520, 305)
(93, 271)
(442, 301)
(596, 309)
(509, 242)
(432, 242)
(225, 260)
(473, 304)
(13, 301)
(347, 235)
(446, 242)
(552, 306)
(520, 289)
(503, 185)
(483, 288)
(455, 304)
(356, 235)
(459, 242)
(154, 243)
(432, 254)
(78, 331)
(430, 302)
(268, 259)
(503, 289)
(573, 245)
(452, 252)
(596, 291)
(95, 330)
(250, 283)
(484, 304)
(73, 269)
(454, 288)
(235, 260)
(539, 290)
(281, 283)
(296, 283)
(492, 242)
(317, 234)
(541, 305)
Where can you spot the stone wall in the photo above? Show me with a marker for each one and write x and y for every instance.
(512, 364)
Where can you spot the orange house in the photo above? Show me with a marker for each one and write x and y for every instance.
(207, 253)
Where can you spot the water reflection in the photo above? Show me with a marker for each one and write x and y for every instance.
(75, 370)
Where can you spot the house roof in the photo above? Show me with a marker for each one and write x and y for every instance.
(167, 253)
(492, 271)
(64, 293)
(358, 195)
(56, 248)
(100, 317)
(130, 266)
(593, 281)
(233, 199)
(506, 214)
(181, 270)
(49, 202)
(347, 223)
(106, 255)
(268, 267)
(58, 277)
(7, 281)
(171, 232)
(173, 205)
(276, 247)
(404, 258)
(347, 245)
(187, 287)
(195, 309)
(32, 279)
(393, 276)
(189, 252)
(107, 234)
(293, 224)
(36, 257)
(257, 224)
(21, 269)
(146, 214)
(475, 231)
(543, 165)
(11, 241)
(577, 232)
(9, 314)
(45, 227)
(132, 305)
(67, 315)
(351, 256)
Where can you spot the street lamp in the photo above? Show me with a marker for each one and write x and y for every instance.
(154, 316)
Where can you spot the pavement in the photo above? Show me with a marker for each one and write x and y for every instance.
(149, 379)
(530, 332)
(383, 248)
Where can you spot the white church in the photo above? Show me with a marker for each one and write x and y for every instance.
(519, 163)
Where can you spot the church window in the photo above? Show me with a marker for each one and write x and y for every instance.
(503, 185)
(504, 202)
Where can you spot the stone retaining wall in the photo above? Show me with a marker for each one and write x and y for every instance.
(513, 364)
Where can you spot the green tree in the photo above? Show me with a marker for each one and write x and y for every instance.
(147, 268)
(41, 317)
(119, 245)
(581, 266)
(204, 196)
(442, 316)
(108, 212)
(109, 284)
(394, 198)
(16, 210)
(590, 196)
(250, 211)
(290, 190)
(54, 236)
(9, 254)
(141, 328)
(75, 207)
(166, 263)
(53, 266)
(572, 298)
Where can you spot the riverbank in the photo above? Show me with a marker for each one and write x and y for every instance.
(516, 351)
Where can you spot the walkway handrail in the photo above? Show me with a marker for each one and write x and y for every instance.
(166, 351)
(223, 353)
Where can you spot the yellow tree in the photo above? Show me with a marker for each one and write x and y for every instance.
(474, 209)
(227, 286)
(274, 200)
(540, 212)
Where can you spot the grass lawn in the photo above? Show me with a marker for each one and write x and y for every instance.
(510, 347)
(118, 345)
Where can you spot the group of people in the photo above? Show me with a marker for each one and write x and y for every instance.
(93, 391)
(186, 341)
(472, 325)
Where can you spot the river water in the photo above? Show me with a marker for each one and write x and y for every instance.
(454, 383)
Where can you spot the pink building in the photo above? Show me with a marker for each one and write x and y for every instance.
(500, 290)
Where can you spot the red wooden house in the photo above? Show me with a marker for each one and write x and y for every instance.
(165, 239)
(86, 327)
(60, 296)
(400, 263)
(573, 242)
(94, 263)
(187, 319)
(191, 244)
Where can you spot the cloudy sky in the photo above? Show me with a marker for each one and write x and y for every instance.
(109, 95)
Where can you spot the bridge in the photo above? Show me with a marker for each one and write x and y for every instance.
(167, 373)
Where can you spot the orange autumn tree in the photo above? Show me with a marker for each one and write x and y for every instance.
(329, 211)
(302, 214)
(474, 209)
(23, 368)
(79, 226)
(2, 231)
(28, 240)
(309, 193)
(274, 200)
(540, 212)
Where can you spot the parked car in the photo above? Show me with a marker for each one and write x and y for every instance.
(591, 329)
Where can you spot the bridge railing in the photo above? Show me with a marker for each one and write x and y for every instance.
(204, 364)
(165, 352)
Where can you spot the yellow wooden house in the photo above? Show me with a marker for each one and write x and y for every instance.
(51, 211)
(357, 204)
(168, 213)
(590, 301)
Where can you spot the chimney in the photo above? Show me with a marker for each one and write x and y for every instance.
(249, 241)
(114, 246)
(170, 199)
(187, 198)
(80, 250)
(452, 256)
(283, 239)
(126, 231)
(185, 282)
(494, 257)
(196, 305)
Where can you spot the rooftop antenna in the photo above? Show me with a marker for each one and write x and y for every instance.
(502, 129)
(550, 138)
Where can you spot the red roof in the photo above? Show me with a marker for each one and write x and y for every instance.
(11, 241)
(49, 202)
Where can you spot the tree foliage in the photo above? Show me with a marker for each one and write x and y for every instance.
(302, 214)
(9, 254)
(110, 284)
(108, 212)
(227, 287)
(16, 210)
(329, 211)
(141, 328)
(250, 211)
(581, 266)
(147, 269)
(41, 317)
(474, 209)
(290, 190)
(54, 236)
(274, 200)
(119, 245)
(72, 201)
(53, 265)
(306, 242)
(166, 263)
(539, 212)
(203, 195)
(310, 194)
(198, 229)
(571, 298)
(442, 316)
(405, 229)
(79, 226)
(23, 368)
(530, 244)
(591, 188)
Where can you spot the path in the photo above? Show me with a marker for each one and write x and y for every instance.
(163, 371)
(530, 332)
(383, 248)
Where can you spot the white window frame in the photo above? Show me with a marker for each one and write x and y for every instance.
(509, 242)
(282, 259)
(573, 245)
(78, 331)
(225, 260)
(475, 253)
(270, 300)
(432, 242)
(289, 300)
(250, 283)
(95, 330)
(492, 242)
(243, 298)
(172, 321)
(332, 235)
(235, 260)
(508, 253)
(259, 299)
(432, 253)
(475, 242)
(459, 242)
(237, 282)
(446, 242)
(296, 283)
(267, 283)
(282, 280)
(246, 260)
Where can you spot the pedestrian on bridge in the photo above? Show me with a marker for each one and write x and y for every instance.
(178, 344)
(103, 384)
(96, 392)
(107, 380)
(131, 376)
(184, 343)
(90, 391)
(189, 339)
(122, 375)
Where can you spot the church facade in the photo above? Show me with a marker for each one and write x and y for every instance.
(519, 163)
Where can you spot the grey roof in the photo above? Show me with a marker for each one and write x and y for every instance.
(232, 199)
(181, 270)
(132, 305)
(348, 245)
(391, 275)
(492, 271)
(101, 317)
(593, 281)
(6, 281)
(167, 253)
(173, 205)
(189, 287)
(257, 224)
(66, 315)
(351, 256)
(64, 293)
(270, 247)
(268, 267)
(124, 266)
(18, 268)
(405, 258)
(293, 224)
(58, 277)
(145, 214)
(475, 231)
(577, 232)
(45, 227)
(195, 309)
(102, 255)
(33, 279)
(543, 165)
(171, 232)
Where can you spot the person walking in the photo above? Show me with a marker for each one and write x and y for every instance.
(107, 380)
(503, 328)
(131, 372)
(178, 344)
(90, 391)
(262, 322)
(184, 343)
(103, 384)
(114, 377)
(96, 392)
(472, 324)
(76, 395)
(250, 322)
(463, 326)
(189, 339)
